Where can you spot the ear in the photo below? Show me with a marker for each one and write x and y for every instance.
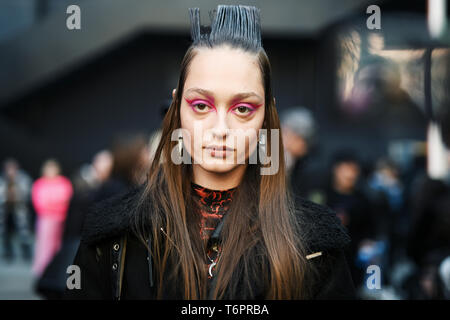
(174, 91)
(274, 101)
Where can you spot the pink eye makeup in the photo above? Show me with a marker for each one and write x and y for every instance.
(193, 103)
(244, 109)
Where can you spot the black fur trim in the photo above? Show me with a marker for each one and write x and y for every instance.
(110, 217)
(321, 229)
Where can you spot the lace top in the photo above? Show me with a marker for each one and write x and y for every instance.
(213, 205)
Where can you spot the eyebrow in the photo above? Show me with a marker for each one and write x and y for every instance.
(236, 97)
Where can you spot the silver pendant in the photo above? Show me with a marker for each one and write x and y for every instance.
(211, 267)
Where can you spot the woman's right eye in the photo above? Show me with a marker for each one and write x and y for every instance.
(201, 107)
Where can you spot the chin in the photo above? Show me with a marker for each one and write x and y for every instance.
(218, 167)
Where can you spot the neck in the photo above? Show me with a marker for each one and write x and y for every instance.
(218, 180)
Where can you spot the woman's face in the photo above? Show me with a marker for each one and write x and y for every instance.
(222, 103)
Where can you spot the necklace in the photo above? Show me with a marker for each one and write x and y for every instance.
(213, 261)
(211, 266)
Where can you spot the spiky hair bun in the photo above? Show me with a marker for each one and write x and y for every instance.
(233, 24)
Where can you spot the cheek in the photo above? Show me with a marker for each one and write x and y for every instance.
(248, 144)
(195, 128)
(186, 125)
(185, 116)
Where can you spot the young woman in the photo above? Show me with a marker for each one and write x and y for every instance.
(50, 195)
(211, 223)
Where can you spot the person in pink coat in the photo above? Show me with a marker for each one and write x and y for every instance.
(50, 196)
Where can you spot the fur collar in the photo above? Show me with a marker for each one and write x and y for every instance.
(321, 228)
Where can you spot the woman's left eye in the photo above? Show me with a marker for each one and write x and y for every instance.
(201, 107)
(242, 110)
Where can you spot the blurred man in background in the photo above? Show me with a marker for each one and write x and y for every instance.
(345, 195)
(130, 163)
(388, 201)
(298, 133)
(15, 187)
(429, 237)
(90, 177)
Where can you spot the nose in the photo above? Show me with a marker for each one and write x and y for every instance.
(220, 130)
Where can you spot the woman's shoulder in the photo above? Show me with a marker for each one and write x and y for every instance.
(111, 217)
(321, 229)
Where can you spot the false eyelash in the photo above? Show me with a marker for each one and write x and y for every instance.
(251, 106)
(194, 102)
(251, 110)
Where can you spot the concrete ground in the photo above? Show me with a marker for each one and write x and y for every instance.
(16, 279)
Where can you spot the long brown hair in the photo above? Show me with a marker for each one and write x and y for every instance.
(261, 239)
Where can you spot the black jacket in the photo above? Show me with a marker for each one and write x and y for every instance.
(114, 264)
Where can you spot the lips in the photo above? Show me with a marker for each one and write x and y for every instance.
(219, 151)
(219, 148)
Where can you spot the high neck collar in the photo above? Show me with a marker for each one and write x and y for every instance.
(199, 187)
(212, 205)
(215, 200)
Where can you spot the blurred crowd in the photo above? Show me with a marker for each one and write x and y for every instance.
(397, 216)
(46, 216)
(398, 219)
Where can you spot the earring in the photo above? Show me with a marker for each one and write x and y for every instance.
(262, 141)
(180, 146)
(262, 148)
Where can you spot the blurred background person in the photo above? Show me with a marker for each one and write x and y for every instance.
(15, 187)
(102, 165)
(429, 237)
(109, 173)
(298, 130)
(377, 100)
(444, 273)
(50, 197)
(389, 201)
(88, 178)
(91, 175)
(344, 194)
(131, 160)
